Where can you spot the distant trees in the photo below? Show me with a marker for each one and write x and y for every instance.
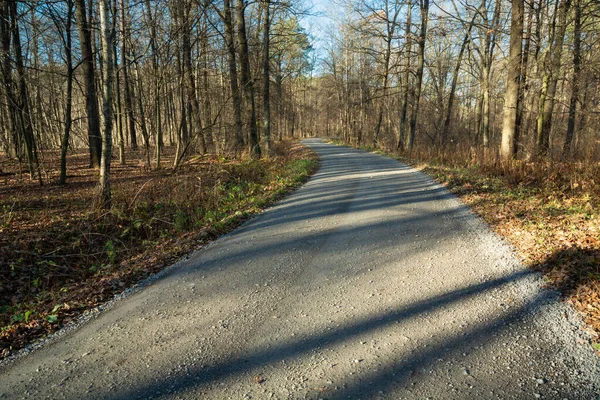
(227, 76)
(507, 148)
(164, 72)
(488, 77)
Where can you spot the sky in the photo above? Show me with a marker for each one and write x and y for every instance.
(318, 24)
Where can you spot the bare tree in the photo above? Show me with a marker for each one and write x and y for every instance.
(247, 83)
(513, 80)
(266, 61)
(424, 6)
(89, 77)
(107, 92)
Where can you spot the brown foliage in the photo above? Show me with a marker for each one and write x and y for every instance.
(549, 211)
(59, 257)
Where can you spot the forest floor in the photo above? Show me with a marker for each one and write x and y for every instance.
(548, 211)
(370, 281)
(59, 257)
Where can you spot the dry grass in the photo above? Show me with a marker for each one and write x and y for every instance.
(548, 210)
(59, 257)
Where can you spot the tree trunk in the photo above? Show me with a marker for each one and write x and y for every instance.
(107, 71)
(446, 124)
(405, 89)
(143, 125)
(89, 77)
(23, 113)
(424, 5)
(127, 96)
(279, 86)
(8, 83)
(266, 78)
(523, 84)
(550, 81)
(64, 146)
(118, 105)
(575, 85)
(155, 69)
(247, 83)
(192, 98)
(238, 139)
(208, 132)
(513, 81)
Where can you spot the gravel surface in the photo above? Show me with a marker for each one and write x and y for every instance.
(371, 281)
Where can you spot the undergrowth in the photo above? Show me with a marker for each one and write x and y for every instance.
(548, 210)
(59, 258)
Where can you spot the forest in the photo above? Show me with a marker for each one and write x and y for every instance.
(128, 124)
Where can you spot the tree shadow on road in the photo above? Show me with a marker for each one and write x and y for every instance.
(394, 374)
(575, 273)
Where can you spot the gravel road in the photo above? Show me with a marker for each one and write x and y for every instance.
(371, 281)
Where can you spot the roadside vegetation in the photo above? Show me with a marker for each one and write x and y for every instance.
(549, 212)
(60, 257)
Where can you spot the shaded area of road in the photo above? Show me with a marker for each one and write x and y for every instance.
(371, 281)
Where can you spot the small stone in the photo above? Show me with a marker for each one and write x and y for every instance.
(541, 381)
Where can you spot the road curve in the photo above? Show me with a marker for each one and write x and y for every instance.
(371, 281)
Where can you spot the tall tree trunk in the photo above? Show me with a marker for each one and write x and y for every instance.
(7, 80)
(266, 77)
(513, 80)
(64, 146)
(23, 114)
(487, 60)
(143, 124)
(550, 81)
(405, 88)
(89, 78)
(118, 105)
(195, 121)
(238, 139)
(390, 33)
(127, 89)
(155, 71)
(107, 89)
(208, 131)
(424, 5)
(523, 84)
(247, 83)
(575, 85)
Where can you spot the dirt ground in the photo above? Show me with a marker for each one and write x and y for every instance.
(60, 257)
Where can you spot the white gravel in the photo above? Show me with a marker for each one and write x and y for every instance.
(371, 281)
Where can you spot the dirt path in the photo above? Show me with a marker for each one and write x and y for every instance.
(369, 282)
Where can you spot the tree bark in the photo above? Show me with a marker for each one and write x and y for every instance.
(64, 146)
(23, 113)
(550, 81)
(575, 84)
(127, 89)
(89, 77)
(107, 89)
(238, 139)
(266, 77)
(405, 89)
(7, 79)
(192, 98)
(247, 83)
(424, 5)
(523, 84)
(513, 81)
